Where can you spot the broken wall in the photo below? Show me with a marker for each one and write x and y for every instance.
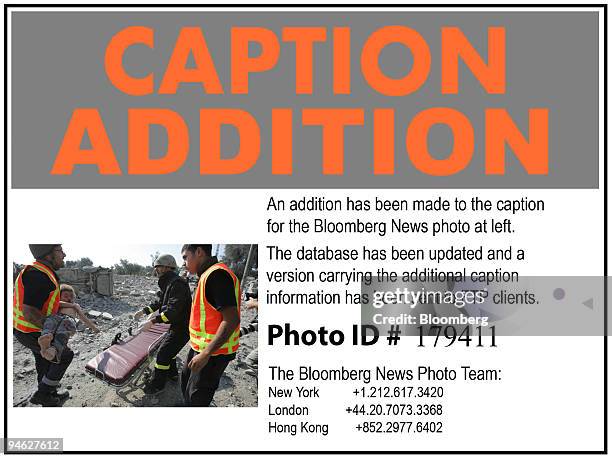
(89, 279)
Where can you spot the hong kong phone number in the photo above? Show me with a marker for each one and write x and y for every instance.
(400, 427)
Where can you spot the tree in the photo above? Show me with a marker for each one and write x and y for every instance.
(154, 256)
(236, 256)
(85, 261)
(125, 267)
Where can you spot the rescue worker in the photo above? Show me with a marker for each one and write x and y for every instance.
(173, 304)
(35, 297)
(214, 324)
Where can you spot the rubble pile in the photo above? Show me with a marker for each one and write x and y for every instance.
(113, 315)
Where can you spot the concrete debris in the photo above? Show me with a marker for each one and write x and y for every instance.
(107, 316)
(89, 279)
(94, 314)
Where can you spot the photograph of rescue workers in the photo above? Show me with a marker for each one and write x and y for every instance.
(160, 325)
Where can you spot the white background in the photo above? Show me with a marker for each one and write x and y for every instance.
(550, 398)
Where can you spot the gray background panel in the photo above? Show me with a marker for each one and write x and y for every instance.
(57, 65)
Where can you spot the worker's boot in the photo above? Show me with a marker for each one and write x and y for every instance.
(60, 394)
(156, 384)
(172, 373)
(44, 398)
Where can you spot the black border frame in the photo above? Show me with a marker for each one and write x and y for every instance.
(601, 6)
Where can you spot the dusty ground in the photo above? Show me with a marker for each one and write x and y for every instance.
(131, 294)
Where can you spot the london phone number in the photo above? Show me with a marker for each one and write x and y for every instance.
(397, 409)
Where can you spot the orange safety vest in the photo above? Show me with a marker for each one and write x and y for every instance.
(51, 305)
(204, 320)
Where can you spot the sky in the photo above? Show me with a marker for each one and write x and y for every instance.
(106, 255)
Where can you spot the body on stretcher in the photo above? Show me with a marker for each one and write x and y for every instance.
(118, 364)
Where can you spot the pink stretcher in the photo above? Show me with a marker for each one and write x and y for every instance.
(125, 361)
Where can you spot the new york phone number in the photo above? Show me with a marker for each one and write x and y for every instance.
(400, 392)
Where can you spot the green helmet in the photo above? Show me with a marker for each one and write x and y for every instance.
(165, 260)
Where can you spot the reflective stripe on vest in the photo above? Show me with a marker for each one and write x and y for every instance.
(51, 305)
(205, 319)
